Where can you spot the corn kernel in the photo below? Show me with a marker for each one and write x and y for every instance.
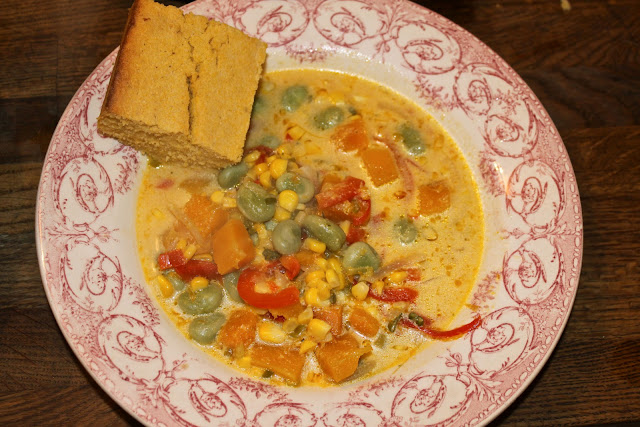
(284, 150)
(189, 251)
(260, 168)
(397, 276)
(311, 148)
(305, 316)
(244, 362)
(157, 213)
(182, 244)
(271, 333)
(290, 325)
(229, 202)
(288, 199)
(281, 214)
(378, 285)
(203, 257)
(345, 225)
(323, 290)
(166, 288)
(265, 179)
(314, 275)
(217, 196)
(311, 296)
(332, 279)
(318, 329)
(360, 291)
(300, 207)
(270, 159)
(335, 265)
(278, 167)
(300, 217)
(337, 97)
(252, 156)
(198, 283)
(295, 132)
(307, 345)
(315, 245)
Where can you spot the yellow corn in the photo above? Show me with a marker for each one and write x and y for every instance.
(314, 275)
(335, 265)
(263, 234)
(288, 199)
(301, 206)
(397, 276)
(270, 159)
(318, 329)
(244, 362)
(217, 196)
(295, 132)
(312, 148)
(281, 214)
(337, 97)
(229, 202)
(307, 345)
(166, 288)
(260, 168)
(315, 245)
(306, 316)
(284, 151)
(198, 283)
(265, 179)
(203, 257)
(157, 213)
(360, 291)
(311, 297)
(344, 225)
(252, 156)
(323, 290)
(332, 279)
(271, 333)
(322, 263)
(290, 325)
(300, 217)
(278, 167)
(182, 244)
(378, 285)
(189, 251)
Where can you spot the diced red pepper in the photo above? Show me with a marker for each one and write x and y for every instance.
(246, 289)
(291, 265)
(395, 295)
(355, 234)
(342, 191)
(195, 268)
(440, 334)
(171, 259)
(413, 274)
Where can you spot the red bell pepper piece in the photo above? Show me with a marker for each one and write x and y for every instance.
(171, 259)
(355, 234)
(395, 295)
(195, 268)
(291, 265)
(246, 289)
(440, 334)
(340, 192)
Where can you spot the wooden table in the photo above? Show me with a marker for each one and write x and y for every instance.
(584, 65)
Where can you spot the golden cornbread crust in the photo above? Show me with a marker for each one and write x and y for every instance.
(182, 87)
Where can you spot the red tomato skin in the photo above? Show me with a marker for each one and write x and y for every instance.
(246, 289)
(171, 259)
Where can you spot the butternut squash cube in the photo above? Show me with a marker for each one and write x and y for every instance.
(232, 247)
(332, 315)
(283, 361)
(239, 330)
(351, 136)
(362, 321)
(204, 215)
(339, 357)
(380, 165)
(434, 198)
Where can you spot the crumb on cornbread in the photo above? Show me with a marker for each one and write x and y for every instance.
(182, 87)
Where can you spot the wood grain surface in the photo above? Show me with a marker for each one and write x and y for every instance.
(583, 64)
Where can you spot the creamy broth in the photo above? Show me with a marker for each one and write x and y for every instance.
(425, 230)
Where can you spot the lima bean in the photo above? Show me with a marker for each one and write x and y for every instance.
(256, 203)
(204, 301)
(329, 117)
(204, 329)
(412, 139)
(294, 96)
(405, 230)
(287, 237)
(360, 257)
(230, 285)
(325, 230)
(301, 185)
(232, 175)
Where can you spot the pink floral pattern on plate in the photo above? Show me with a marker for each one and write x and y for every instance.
(88, 258)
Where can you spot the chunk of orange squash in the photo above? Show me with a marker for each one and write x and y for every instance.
(283, 361)
(239, 330)
(351, 136)
(288, 312)
(232, 247)
(362, 321)
(204, 215)
(332, 315)
(380, 165)
(339, 357)
(434, 198)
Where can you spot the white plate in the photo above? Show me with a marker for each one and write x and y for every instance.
(525, 289)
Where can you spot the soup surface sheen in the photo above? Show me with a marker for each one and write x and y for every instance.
(348, 238)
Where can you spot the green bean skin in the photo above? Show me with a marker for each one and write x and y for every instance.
(405, 230)
(230, 285)
(232, 175)
(204, 329)
(325, 230)
(287, 237)
(293, 97)
(256, 203)
(329, 118)
(301, 185)
(412, 139)
(360, 257)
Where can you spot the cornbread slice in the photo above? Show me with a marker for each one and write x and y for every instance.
(182, 87)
